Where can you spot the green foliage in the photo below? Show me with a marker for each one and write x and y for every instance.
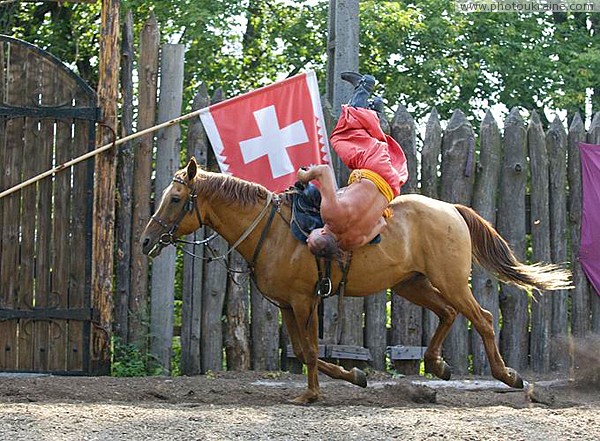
(129, 361)
(425, 53)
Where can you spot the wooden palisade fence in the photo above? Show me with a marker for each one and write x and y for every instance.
(524, 179)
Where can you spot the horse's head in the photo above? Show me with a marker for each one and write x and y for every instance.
(177, 215)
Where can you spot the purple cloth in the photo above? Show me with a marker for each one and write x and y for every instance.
(589, 253)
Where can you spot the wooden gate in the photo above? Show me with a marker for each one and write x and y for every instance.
(47, 116)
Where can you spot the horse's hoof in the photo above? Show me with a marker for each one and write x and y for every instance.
(360, 379)
(306, 398)
(439, 368)
(515, 379)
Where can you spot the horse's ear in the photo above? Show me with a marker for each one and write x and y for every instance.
(192, 168)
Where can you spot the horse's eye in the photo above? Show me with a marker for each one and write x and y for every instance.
(175, 199)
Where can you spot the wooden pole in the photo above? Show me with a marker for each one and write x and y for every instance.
(193, 268)
(487, 177)
(167, 163)
(407, 319)
(97, 151)
(458, 176)
(237, 331)
(430, 163)
(104, 191)
(556, 144)
(514, 337)
(142, 172)
(124, 188)
(342, 49)
(541, 311)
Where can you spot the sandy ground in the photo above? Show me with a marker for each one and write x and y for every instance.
(253, 406)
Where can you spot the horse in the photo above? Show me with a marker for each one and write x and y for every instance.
(425, 255)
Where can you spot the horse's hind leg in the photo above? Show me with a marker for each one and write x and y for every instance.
(354, 376)
(483, 322)
(419, 291)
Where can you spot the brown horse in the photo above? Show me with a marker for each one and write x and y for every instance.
(425, 256)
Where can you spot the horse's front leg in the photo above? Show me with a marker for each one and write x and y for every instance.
(354, 376)
(303, 330)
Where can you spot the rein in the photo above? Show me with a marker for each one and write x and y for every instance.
(168, 238)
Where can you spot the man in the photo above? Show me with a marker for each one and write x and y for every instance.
(354, 215)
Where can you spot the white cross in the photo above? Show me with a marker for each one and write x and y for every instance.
(273, 142)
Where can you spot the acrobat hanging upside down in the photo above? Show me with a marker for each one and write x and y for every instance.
(355, 214)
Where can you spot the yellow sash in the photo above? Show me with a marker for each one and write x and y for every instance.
(376, 179)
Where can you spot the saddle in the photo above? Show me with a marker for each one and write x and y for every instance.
(306, 211)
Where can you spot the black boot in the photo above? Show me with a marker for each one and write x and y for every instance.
(363, 86)
(376, 104)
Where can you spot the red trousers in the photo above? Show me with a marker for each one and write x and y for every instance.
(361, 144)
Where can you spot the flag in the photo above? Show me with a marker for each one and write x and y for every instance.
(589, 252)
(264, 136)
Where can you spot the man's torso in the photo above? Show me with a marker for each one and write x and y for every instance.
(356, 217)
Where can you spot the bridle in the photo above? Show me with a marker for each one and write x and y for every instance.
(168, 238)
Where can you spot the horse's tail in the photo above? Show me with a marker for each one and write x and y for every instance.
(492, 252)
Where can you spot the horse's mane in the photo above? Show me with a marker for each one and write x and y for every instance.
(229, 188)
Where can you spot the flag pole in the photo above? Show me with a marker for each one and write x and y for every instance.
(97, 151)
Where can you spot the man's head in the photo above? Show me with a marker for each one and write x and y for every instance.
(322, 243)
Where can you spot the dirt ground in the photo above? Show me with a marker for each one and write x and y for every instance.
(253, 406)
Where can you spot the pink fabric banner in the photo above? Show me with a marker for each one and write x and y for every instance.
(589, 254)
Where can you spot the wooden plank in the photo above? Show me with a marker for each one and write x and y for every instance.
(556, 143)
(265, 332)
(124, 187)
(167, 163)
(407, 318)
(80, 268)
(60, 92)
(322, 353)
(541, 310)
(147, 91)
(430, 168)
(375, 328)
(487, 177)
(511, 224)
(43, 294)
(400, 352)
(12, 148)
(213, 299)
(339, 352)
(458, 176)
(29, 208)
(237, 331)
(192, 267)
(348, 352)
(580, 295)
(594, 138)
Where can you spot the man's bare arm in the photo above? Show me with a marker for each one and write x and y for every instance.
(324, 175)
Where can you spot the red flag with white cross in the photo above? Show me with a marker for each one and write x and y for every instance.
(264, 136)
